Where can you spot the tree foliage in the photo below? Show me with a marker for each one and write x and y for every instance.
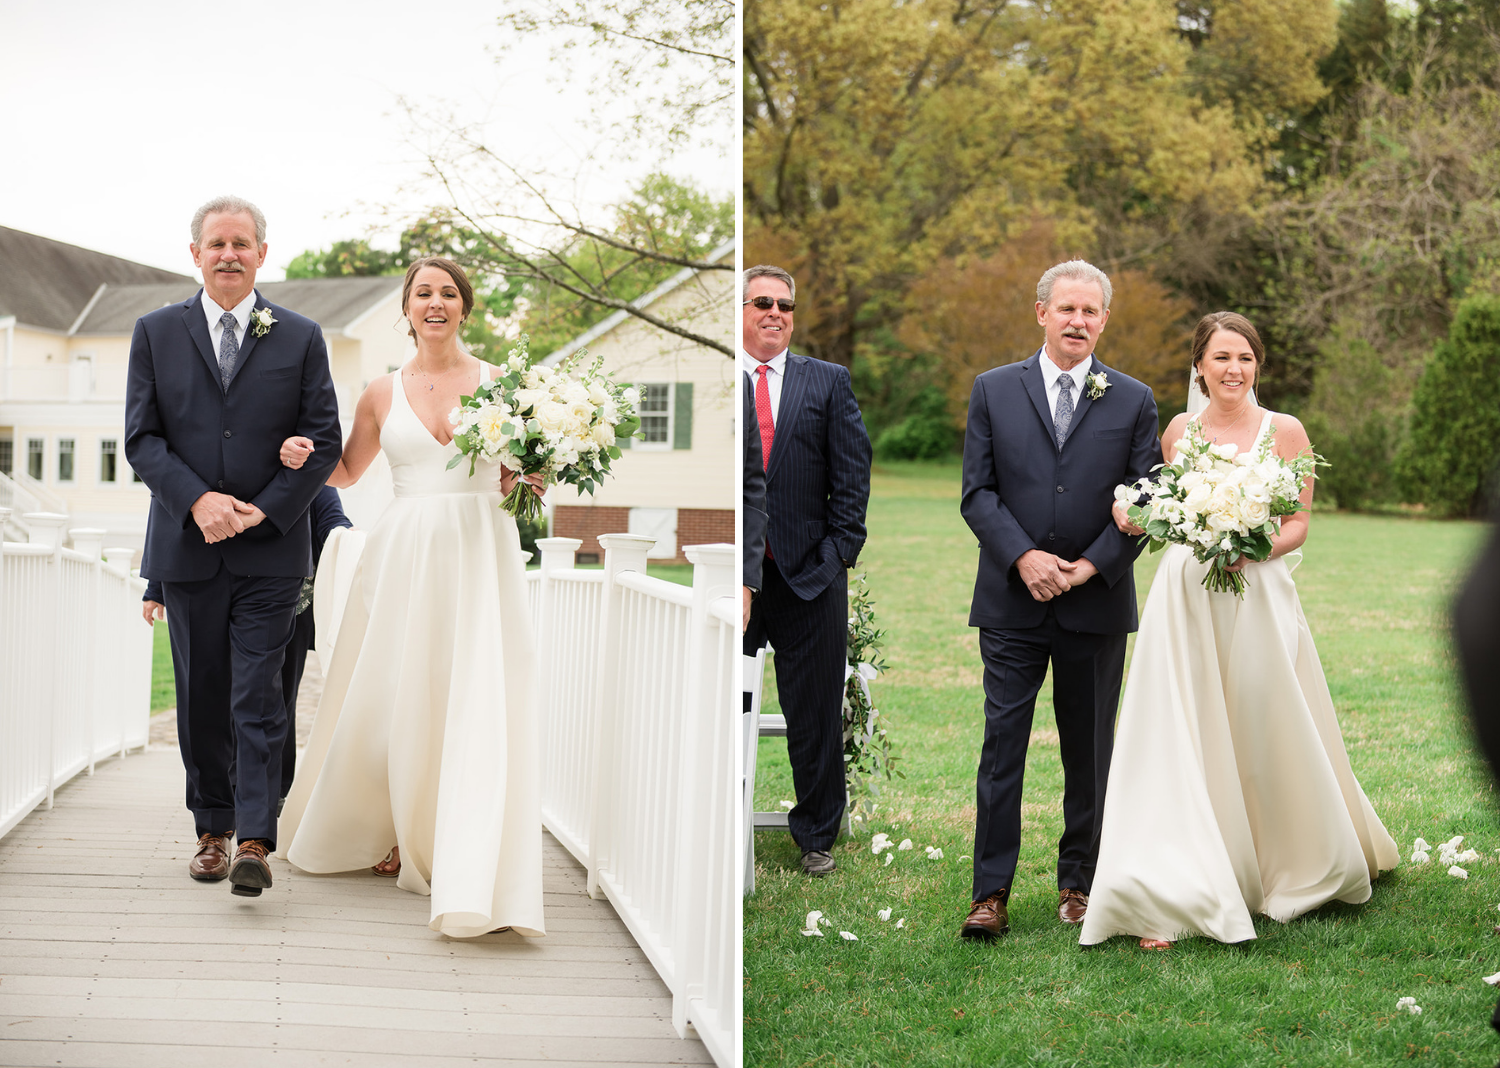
(1448, 461)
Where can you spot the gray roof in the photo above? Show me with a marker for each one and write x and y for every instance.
(332, 303)
(48, 283)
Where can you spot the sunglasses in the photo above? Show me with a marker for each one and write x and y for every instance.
(765, 303)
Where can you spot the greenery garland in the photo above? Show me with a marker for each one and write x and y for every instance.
(867, 749)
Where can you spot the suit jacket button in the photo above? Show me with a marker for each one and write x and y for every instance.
(1059, 488)
(221, 483)
(230, 434)
(1050, 537)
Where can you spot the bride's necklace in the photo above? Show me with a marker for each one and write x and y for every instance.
(1209, 430)
(432, 382)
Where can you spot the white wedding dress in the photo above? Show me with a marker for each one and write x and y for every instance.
(1230, 793)
(426, 736)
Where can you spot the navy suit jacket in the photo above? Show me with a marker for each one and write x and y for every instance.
(187, 435)
(752, 496)
(1020, 492)
(818, 479)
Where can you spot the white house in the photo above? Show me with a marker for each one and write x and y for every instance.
(66, 318)
(677, 485)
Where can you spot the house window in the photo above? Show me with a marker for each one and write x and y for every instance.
(65, 459)
(107, 450)
(7, 456)
(656, 414)
(34, 447)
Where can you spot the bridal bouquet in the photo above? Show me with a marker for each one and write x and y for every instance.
(1221, 504)
(867, 750)
(560, 422)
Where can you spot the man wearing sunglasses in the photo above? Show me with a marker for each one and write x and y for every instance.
(816, 456)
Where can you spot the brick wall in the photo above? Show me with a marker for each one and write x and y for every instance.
(703, 526)
(695, 526)
(587, 523)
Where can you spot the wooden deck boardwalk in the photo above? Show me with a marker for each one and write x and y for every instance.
(111, 956)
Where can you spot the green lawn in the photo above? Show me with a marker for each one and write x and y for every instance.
(163, 687)
(1319, 991)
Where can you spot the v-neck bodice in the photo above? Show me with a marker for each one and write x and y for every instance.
(419, 462)
(1265, 426)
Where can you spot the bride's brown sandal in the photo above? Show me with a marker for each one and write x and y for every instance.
(390, 867)
(1155, 943)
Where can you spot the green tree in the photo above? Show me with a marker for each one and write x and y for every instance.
(1354, 417)
(344, 259)
(1448, 459)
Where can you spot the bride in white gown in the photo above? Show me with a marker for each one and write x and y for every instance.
(425, 738)
(1230, 792)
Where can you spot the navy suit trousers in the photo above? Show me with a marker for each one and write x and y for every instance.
(811, 639)
(1086, 674)
(232, 724)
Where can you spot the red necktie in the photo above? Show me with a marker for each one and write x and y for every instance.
(763, 415)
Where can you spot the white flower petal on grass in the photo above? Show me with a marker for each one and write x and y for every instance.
(889, 857)
(1420, 857)
(901, 922)
(905, 844)
(1409, 1005)
(1457, 872)
(879, 842)
(884, 914)
(848, 936)
(1493, 980)
(934, 854)
(1454, 842)
(1468, 856)
(810, 934)
(1421, 845)
(788, 805)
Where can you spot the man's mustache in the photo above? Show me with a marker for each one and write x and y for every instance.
(1072, 332)
(230, 268)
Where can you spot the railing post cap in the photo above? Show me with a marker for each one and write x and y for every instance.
(625, 541)
(553, 544)
(119, 557)
(720, 553)
(46, 519)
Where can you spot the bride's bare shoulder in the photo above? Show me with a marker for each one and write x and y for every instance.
(375, 401)
(1289, 432)
(1175, 429)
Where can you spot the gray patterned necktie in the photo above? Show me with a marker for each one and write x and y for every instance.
(1064, 417)
(229, 349)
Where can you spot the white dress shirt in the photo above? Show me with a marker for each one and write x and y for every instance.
(774, 377)
(1052, 375)
(214, 313)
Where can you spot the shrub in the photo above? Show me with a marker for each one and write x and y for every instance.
(926, 433)
(1354, 419)
(1451, 451)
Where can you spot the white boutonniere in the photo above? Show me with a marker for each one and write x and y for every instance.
(261, 322)
(1096, 384)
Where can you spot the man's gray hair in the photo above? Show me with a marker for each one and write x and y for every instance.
(765, 270)
(1082, 270)
(229, 206)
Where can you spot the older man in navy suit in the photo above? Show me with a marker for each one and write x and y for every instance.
(215, 384)
(817, 467)
(1047, 442)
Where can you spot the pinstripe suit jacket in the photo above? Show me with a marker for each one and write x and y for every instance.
(1021, 492)
(818, 478)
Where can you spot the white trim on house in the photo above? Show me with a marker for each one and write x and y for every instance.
(87, 308)
(604, 326)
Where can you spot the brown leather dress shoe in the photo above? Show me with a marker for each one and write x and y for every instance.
(211, 862)
(250, 873)
(818, 862)
(1071, 905)
(987, 919)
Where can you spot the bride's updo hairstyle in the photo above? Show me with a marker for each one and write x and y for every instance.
(461, 280)
(1234, 323)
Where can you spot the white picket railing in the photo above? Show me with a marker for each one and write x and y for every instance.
(75, 661)
(639, 710)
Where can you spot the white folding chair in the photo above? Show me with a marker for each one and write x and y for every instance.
(753, 669)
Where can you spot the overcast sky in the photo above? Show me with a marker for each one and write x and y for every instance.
(118, 119)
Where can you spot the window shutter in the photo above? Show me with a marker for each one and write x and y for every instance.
(682, 422)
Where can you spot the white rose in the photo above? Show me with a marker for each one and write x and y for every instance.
(598, 395)
(1197, 497)
(1256, 490)
(1223, 522)
(603, 433)
(1226, 451)
(631, 396)
(1255, 512)
(551, 415)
